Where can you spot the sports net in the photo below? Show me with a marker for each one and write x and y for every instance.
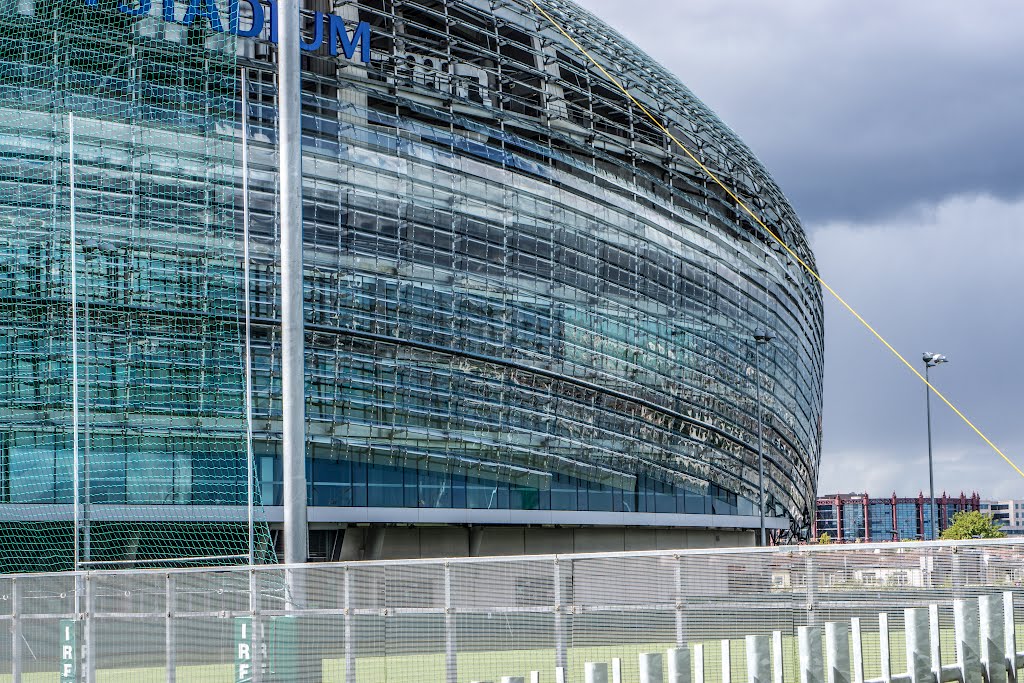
(122, 322)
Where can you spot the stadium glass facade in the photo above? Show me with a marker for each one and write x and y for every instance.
(524, 306)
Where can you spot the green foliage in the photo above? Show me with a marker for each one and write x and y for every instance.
(972, 524)
(824, 539)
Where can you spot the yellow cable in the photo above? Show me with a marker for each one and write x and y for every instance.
(785, 246)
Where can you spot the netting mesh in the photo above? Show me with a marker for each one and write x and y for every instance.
(841, 613)
(121, 285)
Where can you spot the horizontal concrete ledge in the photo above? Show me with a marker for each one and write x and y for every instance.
(357, 515)
(26, 512)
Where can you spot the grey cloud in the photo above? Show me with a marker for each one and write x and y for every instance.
(943, 278)
(859, 109)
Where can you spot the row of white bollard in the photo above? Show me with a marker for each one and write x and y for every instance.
(985, 636)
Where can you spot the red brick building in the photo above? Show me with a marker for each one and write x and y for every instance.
(853, 517)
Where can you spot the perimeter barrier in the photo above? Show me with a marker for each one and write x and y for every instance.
(889, 613)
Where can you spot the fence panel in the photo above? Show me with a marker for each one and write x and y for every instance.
(892, 613)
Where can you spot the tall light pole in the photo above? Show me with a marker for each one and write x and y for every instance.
(761, 337)
(930, 361)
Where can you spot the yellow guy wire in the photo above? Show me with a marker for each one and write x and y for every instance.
(768, 230)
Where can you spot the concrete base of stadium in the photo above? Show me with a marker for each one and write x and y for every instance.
(393, 542)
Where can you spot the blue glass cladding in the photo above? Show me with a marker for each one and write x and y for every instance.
(505, 314)
(518, 296)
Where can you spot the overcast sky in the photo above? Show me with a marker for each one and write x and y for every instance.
(897, 131)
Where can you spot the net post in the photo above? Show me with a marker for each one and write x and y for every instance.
(837, 645)
(934, 637)
(758, 659)
(169, 648)
(450, 654)
(73, 248)
(246, 284)
(777, 657)
(350, 644)
(993, 659)
(561, 659)
(258, 637)
(884, 656)
(15, 631)
(857, 640)
(595, 672)
(292, 321)
(811, 577)
(651, 668)
(680, 616)
(915, 622)
(679, 664)
(809, 644)
(1009, 637)
(90, 639)
(965, 623)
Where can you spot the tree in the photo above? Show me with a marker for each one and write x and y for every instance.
(972, 524)
(824, 539)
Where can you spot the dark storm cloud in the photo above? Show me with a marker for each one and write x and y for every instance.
(946, 280)
(897, 130)
(859, 109)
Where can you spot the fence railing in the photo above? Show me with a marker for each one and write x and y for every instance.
(892, 613)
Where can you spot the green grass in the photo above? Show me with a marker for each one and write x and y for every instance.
(490, 666)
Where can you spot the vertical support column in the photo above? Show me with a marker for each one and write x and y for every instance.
(809, 645)
(170, 653)
(293, 390)
(15, 631)
(258, 641)
(651, 668)
(350, 643)
(935, 637)
(250, 465)
(680, 617)
(679, 664)
(616, 670)
(884, 656)
(777, 668)
(1009, 637)
(993, 658)
(837, 646)
(857, 640)
(915, 623)
(561, 657)
(726, 661)
(965, 619)
(90, 636)
(595, 672)
(811, 579)
(450, 655)
(73, 247)
(759, 664)
(698, 666)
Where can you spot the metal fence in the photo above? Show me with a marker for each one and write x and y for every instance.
(892, 612)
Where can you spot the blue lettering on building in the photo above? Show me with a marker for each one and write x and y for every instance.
(337, 35)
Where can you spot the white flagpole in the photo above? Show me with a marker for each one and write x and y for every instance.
(74, 335)
(249, 464)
